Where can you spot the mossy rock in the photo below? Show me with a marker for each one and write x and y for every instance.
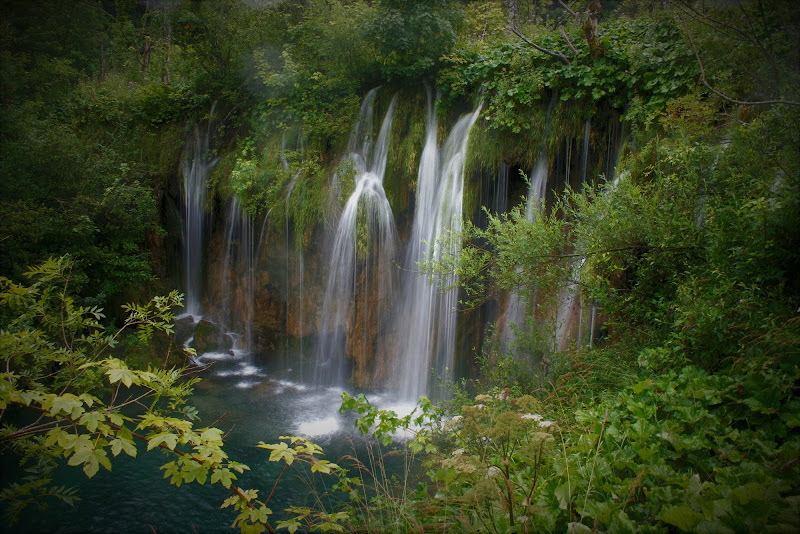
(209, 337)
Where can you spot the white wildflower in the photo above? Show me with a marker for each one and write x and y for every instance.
(546, 424)
(535, 416)
(459, 452)
(452, 423)
(494, 471)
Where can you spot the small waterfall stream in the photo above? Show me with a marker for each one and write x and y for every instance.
(295, 268)
(236, 297)
(197, 167)
(517, 308)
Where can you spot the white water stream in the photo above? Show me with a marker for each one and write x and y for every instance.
(364, 245)
(426, 318)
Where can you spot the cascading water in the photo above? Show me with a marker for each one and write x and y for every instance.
(359, 280)
(587, 129)
(426, 319)
(569, 316)
(517, 309)
(236, 300)
(500, 194)
(197, 167)
(294, 277)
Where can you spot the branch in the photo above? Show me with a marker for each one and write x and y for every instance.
(569, 43)
(719, 94)
(713, 23)
(565, 6)
(31, 430)
(557, 55)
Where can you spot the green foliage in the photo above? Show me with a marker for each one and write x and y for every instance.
(99, 208)
(411, 36)
(286, 184)
(691, 256)
(407, 138)
(687, 449)
(56, 368)
(645, 64)
(378, 501)
(512, 253)
(500, 447)
(55, 363)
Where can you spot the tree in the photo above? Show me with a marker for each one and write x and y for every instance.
(413, 35)
(58, 362)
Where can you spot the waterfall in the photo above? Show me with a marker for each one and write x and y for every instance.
(426, 321)
(538, 186)
(292, 274)
(569, 316)
(517, 309)
(197, 167)
(236, 301)
(359, 273)
(587, 129)
(500, 200)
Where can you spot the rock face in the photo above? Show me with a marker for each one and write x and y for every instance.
(209, 337)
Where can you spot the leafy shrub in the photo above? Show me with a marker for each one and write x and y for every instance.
(695, 451)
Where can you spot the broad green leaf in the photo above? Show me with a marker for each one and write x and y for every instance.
(223, 476)
(682, 517)
(80, 456)
(91, 419)
(280, 451)
(68, 404)
(121, 444)
(127, 376)
(91, 466)
(230, 501)
(168, 438)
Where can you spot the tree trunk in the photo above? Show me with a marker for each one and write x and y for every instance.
(590, 30)
(165, 78)
(102, 59)
(146, 55)
(513, 11)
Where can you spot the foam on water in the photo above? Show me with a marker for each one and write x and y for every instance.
(244, 369)
(216, 356)
(319, 427)
(291, 385)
